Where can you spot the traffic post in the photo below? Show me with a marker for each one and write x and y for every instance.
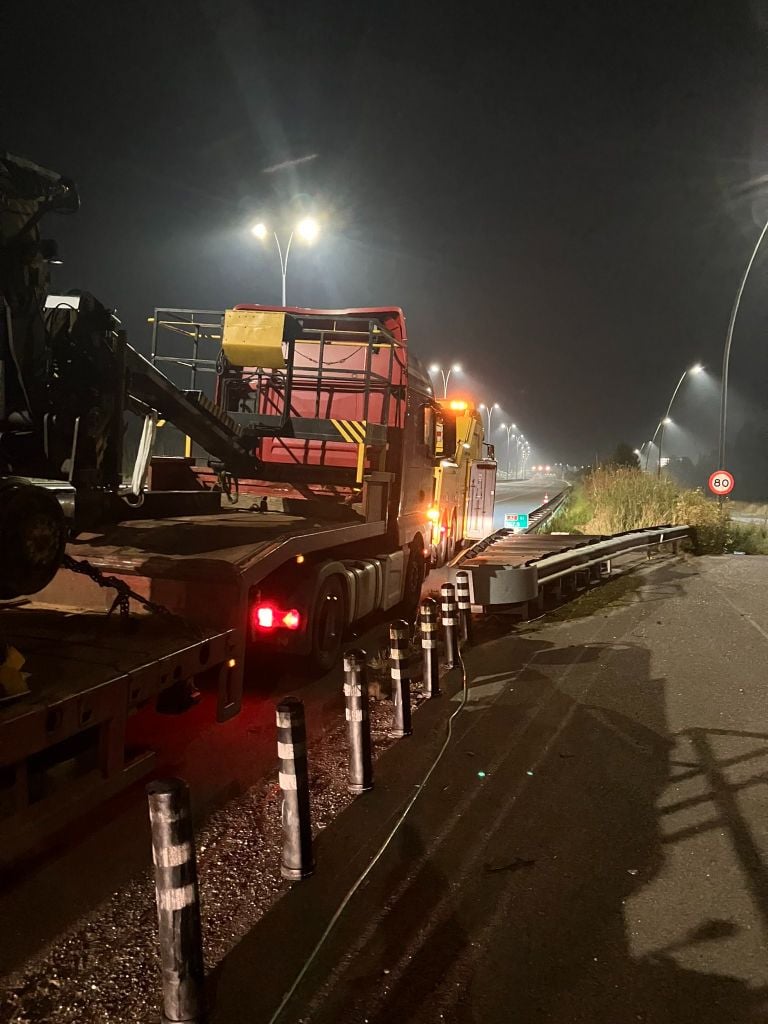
(449, 614)
(429, 648)
(464, 604)
(358, 722)
(296, 861)
(401, 681)
(178, 901)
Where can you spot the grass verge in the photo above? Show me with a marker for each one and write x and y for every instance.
(615, 499)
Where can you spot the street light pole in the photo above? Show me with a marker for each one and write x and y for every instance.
(727, 351)
(435, 368)
(307, 228)
(510, 428)
(489, 413)
(283, 260)
(520, 463)
(665, 420)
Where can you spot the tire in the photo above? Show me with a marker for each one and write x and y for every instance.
(415, 572)
(329, 622)
(32, 538)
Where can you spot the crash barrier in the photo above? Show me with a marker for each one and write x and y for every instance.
(509, 568)
(541, 515)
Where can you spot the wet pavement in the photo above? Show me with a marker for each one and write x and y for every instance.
(591, 848)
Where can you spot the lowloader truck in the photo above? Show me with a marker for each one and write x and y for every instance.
(349, 482)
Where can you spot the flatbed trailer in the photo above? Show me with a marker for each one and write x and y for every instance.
(345, 443)
(63, 745)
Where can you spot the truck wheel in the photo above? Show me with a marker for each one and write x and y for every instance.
(329, 621)
(415, 571)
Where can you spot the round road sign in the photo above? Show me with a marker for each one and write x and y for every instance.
(721, 482)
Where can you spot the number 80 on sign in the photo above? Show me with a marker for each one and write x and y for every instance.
(721, 482)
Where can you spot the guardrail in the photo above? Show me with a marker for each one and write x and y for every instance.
(512, 569)
(541, 515)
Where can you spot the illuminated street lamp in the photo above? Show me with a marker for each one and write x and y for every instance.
(489, 410)
(665, 420)
(446, 375)
(511, 429)
(307, 230)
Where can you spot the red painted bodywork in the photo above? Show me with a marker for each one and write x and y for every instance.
(337, 396)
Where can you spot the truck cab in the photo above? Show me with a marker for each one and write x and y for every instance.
(464, 482)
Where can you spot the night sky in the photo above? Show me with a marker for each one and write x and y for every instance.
(563, 198)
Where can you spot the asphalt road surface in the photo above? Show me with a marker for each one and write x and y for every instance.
(45, 897)
(592, 848)
(523, 496)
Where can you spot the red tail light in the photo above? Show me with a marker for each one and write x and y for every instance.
(265, 618)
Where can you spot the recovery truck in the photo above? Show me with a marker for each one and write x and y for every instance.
(320, 479)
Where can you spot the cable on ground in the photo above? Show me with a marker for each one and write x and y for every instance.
(380, 852)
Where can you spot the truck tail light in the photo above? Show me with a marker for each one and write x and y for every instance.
(292, 619)
(265, 618)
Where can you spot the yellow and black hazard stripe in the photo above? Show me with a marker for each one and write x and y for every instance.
(353, 431)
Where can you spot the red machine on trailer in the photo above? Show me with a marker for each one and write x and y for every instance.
(314, 511)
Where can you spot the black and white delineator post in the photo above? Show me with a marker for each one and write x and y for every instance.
(178, 900)
(358, 722)
(464, 603)
(296, 861)
(450, 618)
(428, 622)
(401, 681)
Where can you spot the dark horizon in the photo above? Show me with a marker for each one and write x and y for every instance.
(562, 200)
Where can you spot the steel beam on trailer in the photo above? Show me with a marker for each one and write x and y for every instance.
(506, 570)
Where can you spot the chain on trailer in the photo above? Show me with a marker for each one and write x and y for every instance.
(124, 594)
(230, 486)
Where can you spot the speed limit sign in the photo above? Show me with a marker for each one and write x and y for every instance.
(721, 482)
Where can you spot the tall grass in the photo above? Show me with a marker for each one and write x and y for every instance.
(613, 499)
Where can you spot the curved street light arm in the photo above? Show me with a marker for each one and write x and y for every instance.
(666, 417)
(727, 350)
(283, 259)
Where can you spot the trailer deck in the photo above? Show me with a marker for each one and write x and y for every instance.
(222, 547)
(63, 744)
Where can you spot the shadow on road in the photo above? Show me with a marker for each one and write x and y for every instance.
(506, 902)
